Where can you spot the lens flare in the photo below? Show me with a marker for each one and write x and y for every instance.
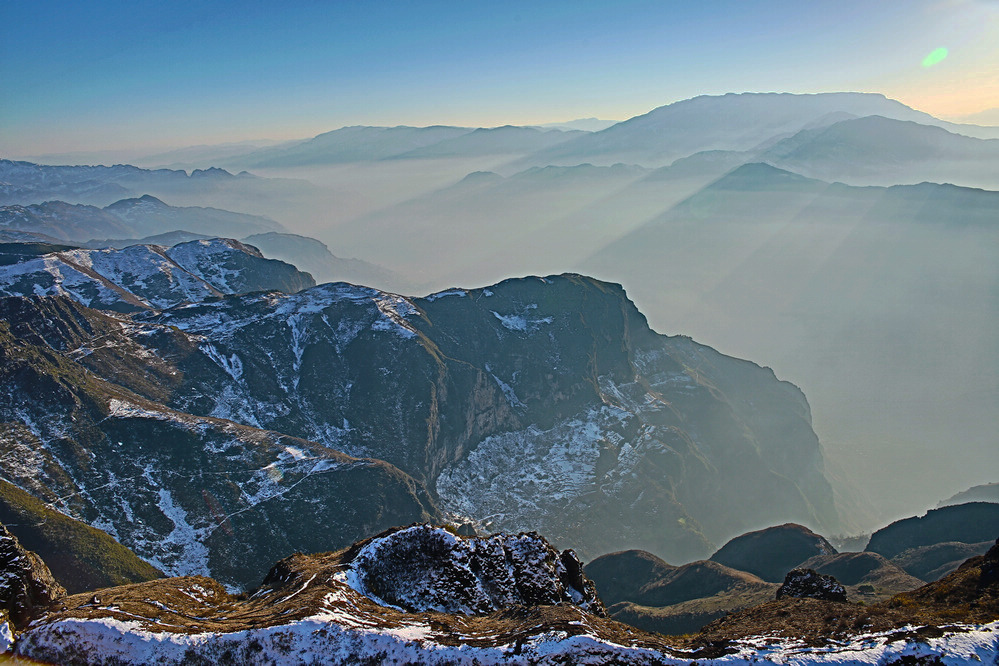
(935, 56)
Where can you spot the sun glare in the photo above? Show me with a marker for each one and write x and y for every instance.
(935, 57)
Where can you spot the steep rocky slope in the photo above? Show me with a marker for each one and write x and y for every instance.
(537, 403)
(79, 556)
(26, 584)
(189, 494)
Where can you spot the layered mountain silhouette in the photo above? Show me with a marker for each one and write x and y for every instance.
(849, 289)
(25, 183)
(736, 122)
(129, 218)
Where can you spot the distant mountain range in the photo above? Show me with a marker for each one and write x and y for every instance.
(127, 218)
(362, 144)
(738, 122)
(718, 214)
(24, 183)
(127, 222)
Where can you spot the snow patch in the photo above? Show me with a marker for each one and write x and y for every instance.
(460, 293)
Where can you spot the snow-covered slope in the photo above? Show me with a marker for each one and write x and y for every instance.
(150, 276)
(312, 610)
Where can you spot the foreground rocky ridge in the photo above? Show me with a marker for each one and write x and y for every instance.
(312, 609)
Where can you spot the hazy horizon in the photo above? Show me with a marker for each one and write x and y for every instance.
(167, 75)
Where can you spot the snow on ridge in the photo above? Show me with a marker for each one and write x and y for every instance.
(326, 638)
(123, 409)
(512, 478)
(395, 310)
(511, 395)
(329, 636)
(460, 293)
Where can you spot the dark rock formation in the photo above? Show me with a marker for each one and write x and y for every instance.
(969, 523)
(26, 584)
(990, 567)
(537, 404)
(807, 584)
(429, 568)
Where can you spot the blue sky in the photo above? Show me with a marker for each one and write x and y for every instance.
(115, 75)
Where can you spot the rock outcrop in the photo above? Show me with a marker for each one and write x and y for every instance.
(423, 568)
(312, 609)
(807, 584)
(27, 586)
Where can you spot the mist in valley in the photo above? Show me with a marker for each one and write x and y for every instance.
(880, 302)
(841, 239)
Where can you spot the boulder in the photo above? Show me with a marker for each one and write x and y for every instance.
(424, 567)
(809, 584)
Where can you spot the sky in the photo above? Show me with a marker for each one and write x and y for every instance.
(149, 74)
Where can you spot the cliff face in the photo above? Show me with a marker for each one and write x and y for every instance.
(536, 404)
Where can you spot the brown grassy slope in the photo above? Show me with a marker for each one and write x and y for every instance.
(80, 557)
(970, 594)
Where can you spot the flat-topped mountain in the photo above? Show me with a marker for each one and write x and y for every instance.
(970, 523)
(875, 150)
